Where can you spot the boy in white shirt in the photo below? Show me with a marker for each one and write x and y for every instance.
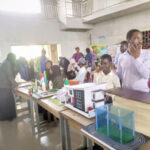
(82, 71)
(134, 65)
(106, 75)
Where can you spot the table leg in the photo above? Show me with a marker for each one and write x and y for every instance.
(90, 146)
(68, 138)
(37, 115)
(28, 103)
(84, 141)
(62, 132)
(84, 145)
(32, 114)
(55, 119)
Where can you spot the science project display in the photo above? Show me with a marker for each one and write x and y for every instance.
(116, 123)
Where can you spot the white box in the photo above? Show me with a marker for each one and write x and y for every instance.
(82, 98)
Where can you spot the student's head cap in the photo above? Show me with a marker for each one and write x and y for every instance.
(77, 48)
(82, 61)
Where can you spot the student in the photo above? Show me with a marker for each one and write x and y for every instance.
(72, 68)
(123, 48)
(82, 71)
(77, 55)
(23, 69)
(106, 75)
(8, 72)
(39, 66)
(88, 57)
(134, 65)
(54, 74)
(64, 63)
(94, 58)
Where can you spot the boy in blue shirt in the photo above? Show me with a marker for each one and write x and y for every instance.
(88, 57)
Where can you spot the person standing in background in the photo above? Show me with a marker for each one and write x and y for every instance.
(8, 72)
(94, 58)
(123, 48)
(40, 62)
(88, 58)
(134, 65)
(82, 71)
(77, 55)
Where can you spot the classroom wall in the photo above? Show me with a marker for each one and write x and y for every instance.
(115, 29)
(24, 30)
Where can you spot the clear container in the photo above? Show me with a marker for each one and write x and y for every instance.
(116, 123)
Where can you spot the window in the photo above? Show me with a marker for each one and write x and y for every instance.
(21, 6)
(53, 51)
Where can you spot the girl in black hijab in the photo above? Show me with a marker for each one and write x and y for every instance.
(8, 71)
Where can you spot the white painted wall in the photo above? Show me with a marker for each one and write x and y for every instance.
(115, 29)
(101, 4)
(22, 30)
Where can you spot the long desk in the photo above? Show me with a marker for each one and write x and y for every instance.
(50, 106)
(23, 93)
(139, 142)
(32, 100)
(75, 120)
(139, 102)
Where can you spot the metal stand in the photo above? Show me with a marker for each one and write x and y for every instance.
(62, 132)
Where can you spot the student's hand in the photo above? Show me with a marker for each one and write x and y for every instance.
(15, 89)
(135, 50)
(47, 87)
(50, 71)
(91, 74)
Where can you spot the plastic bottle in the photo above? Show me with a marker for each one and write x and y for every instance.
(36, 86)
(50, 85)
(66, 82)
(43, 86)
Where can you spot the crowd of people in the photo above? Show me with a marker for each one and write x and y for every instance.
(131, 69)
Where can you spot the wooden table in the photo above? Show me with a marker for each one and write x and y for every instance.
(23, 93)
(51, 107)
(75, 120)
(56, 111)
(89, 132)
(98, 142)
(146, 146)
(139, 102)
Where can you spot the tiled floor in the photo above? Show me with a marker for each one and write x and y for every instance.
(17, 135)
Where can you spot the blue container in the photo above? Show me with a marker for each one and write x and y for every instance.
(116, 123)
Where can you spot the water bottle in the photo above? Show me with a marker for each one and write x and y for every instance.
(50, 85)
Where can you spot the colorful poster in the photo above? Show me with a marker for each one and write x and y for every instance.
(100, 49)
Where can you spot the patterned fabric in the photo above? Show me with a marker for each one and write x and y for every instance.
(58, 82)
(89, 59)
(77, 56)
(37, 66)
